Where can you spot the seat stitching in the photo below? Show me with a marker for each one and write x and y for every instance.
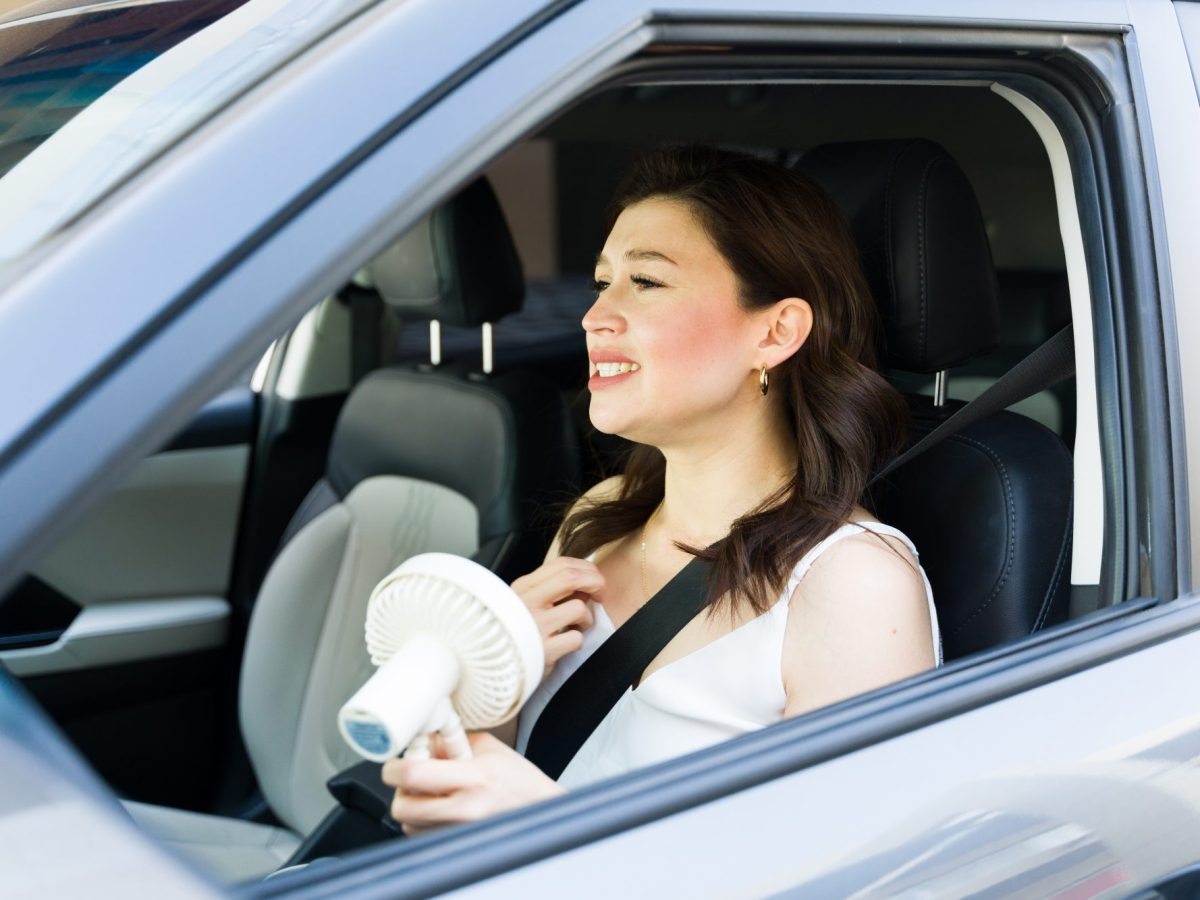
(922, 202)
(1012, 525)
(887, 231)
(1058, 569)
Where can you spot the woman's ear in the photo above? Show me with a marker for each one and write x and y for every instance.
(789, 323)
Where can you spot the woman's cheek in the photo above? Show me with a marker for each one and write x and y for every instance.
(698, 348)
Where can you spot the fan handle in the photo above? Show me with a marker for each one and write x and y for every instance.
(425, 673)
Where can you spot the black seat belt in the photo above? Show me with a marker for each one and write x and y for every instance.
(580, 705)
(366, 309)
(584, 699)
(1045, 367)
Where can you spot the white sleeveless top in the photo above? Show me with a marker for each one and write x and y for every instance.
(724, 689)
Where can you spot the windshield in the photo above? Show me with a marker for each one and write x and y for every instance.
(89, 92)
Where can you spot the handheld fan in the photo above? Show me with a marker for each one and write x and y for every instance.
(456, 649)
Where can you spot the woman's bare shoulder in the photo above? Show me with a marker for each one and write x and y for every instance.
(859, 619)
(864, 575)
(601, 492)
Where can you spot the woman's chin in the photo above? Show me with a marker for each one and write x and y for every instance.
(606, 422)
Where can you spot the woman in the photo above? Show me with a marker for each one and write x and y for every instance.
(732, 338)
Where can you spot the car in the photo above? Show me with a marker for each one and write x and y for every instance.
(205, 211)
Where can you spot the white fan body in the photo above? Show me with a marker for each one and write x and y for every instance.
(456, 649)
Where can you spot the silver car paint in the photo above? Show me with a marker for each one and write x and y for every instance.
(770, 838)
(1072, 751)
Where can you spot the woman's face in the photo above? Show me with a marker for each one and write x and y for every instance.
(667, 319)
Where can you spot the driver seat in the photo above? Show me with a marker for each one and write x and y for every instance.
(989, 507)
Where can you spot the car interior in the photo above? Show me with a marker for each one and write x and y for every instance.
(438, 402)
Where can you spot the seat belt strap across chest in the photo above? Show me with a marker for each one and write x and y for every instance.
(580, 705)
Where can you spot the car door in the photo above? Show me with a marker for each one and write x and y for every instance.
(119, 630)
(458, 97)
(118, 615)
(1026, 769)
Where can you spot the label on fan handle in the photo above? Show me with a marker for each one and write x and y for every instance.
(368, 734)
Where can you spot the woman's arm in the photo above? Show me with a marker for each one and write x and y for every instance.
(858, 620)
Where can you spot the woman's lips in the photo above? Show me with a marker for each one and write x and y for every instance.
(606, 367)
(599, 382)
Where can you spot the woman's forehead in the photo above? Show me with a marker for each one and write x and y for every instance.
(657, 230)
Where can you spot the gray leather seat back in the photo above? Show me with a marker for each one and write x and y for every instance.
(305, 653)
(419, 461)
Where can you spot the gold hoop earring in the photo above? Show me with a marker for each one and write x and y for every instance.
(763, 381)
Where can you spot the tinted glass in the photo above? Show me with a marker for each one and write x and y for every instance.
(91, 92)
(54, 64)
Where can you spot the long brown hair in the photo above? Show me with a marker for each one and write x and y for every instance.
(782, 237)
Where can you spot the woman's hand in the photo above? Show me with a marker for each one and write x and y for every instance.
(432, 793)
(557, 593)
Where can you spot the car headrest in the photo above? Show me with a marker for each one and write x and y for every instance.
(457, 265)
(923, 246)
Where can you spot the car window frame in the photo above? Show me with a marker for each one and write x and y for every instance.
(1115, 631)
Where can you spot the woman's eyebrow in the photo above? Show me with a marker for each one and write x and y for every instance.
(639, 256)
(643, 255)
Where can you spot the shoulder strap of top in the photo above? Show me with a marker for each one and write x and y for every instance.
(851, 528)
(845, 531)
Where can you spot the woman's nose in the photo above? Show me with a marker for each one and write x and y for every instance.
(603, 315)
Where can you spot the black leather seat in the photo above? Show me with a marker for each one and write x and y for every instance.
(989, 509)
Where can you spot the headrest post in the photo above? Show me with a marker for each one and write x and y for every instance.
(435, 342)
(939, 388)
(487, 348)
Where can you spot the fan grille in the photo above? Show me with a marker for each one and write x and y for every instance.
(490, 688)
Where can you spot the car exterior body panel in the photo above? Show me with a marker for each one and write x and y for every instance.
(1019, 779)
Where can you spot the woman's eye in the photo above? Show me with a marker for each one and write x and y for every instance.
(643, 282)
(599, 285)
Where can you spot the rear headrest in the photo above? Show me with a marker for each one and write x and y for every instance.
(922, 241)
(504, 444)
(457, 265)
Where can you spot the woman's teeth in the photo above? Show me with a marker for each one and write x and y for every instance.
(607, 370)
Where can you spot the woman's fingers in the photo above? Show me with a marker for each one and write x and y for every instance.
(557, 579)
(423, 812)
(440, 776)
(573, 613)
(431, 793)
(559, 645)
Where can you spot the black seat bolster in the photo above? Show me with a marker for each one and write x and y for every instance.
(504, 443)
(989, 510)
